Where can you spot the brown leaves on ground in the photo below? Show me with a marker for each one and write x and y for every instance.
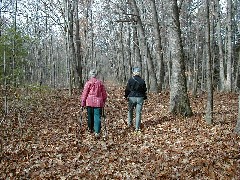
(41, 139)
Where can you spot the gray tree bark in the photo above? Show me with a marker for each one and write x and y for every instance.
(237, 128)
(237, 81)
(136, 49)
(209, 108)
(5, 84)
(0, 17)
(229, 46)
(179, 101)
(144, 49)
(121, 54)
(14, 43)
(196, 58)
(220, 45)
(79, 54)
(159, 51)
(67, 44)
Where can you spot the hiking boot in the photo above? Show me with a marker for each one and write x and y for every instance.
(137, 132)
(97, 136)
(90, 130)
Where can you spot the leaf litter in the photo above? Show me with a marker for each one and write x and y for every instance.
(41, 139)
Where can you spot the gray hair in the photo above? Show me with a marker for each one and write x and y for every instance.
(93, 73)
(136, 71)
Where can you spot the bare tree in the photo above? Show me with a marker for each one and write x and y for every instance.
(220, 45)
(237, 128)
(209, 108)
(1, 18)
(145, 54)
(179, 101)
(159, 51)
(229, 46)
(14, 42)
(197, 56)
(79, 54)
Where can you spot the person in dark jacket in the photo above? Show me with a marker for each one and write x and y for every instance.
(135, 93)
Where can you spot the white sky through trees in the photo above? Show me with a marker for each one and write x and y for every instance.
(25, 9)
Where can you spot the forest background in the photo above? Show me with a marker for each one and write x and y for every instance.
(189, 48)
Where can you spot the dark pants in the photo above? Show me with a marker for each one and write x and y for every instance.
(94, 118)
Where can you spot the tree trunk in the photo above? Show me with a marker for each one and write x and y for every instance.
(159, 53)
(129, 56)
(220, 45)
(209, 108)
(237, 81)
(75, 57)
(237, 128)
(196, 60)
(179, 101)
(121, 55)
(79, 52)
(67, 44)
(203, 72)
(1, 17)
(229, 46)
(144, 49)
(5, 83)
(14, 43)
(137, 55)
(92, 49)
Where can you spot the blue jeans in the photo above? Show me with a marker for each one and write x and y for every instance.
(94, 115)
(135, 102)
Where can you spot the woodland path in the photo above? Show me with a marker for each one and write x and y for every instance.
(50, 145)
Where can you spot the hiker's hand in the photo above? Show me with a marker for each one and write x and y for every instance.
(83, 104)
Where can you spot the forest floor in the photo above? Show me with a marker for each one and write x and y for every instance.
(41, 139)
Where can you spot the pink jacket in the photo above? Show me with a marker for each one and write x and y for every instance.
(94, 93)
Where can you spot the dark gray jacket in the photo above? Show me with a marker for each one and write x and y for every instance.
(136, 87)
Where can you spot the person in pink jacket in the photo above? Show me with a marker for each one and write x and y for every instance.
(93, 97)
